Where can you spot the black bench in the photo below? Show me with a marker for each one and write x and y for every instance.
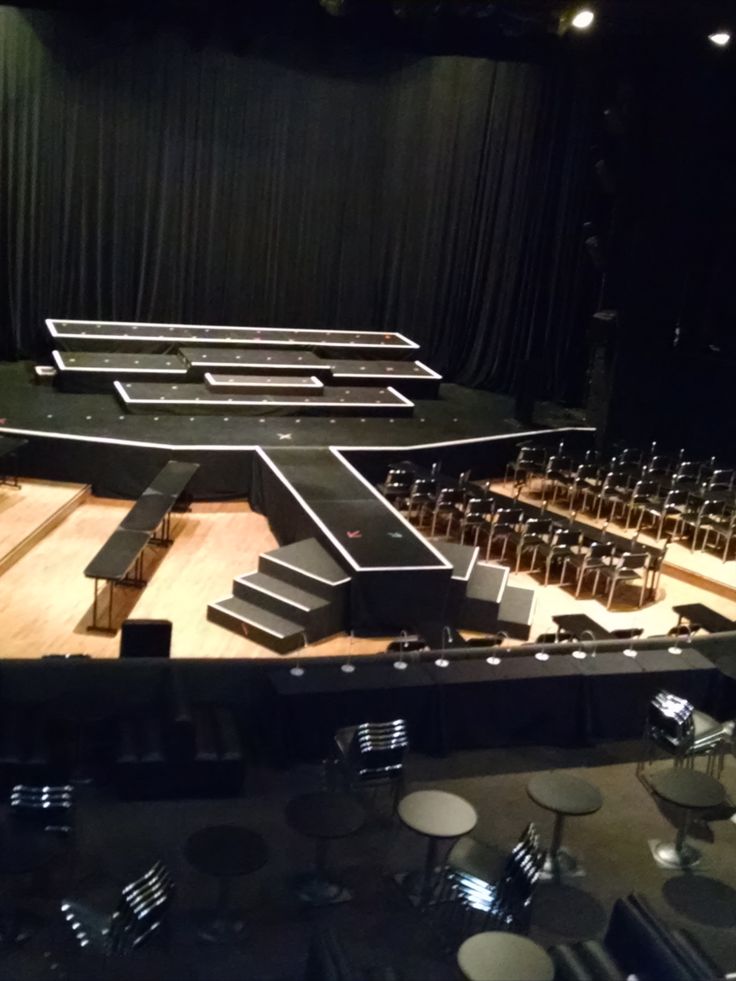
(120, 560)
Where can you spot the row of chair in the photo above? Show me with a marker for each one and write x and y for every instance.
(689, 499)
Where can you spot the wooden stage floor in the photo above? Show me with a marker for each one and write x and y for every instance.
(46, 602)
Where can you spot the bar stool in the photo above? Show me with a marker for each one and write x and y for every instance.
(499, 956)
(564, 795)
(224, 851)
(324, 816)
(437, 815)
(689, 790)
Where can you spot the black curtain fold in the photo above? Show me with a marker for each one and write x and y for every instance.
(144, 178)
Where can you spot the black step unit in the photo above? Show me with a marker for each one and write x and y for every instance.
(253, 622)
(319, 616)
(483, 597)
(517, 611)
(307, 565)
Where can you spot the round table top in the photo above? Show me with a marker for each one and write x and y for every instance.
(325, 815)
(499, 956)
(25, 851)
(437, 814)
(688, 788)
(564, 794)
(225, 850)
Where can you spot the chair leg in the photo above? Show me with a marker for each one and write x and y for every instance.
(610, 594)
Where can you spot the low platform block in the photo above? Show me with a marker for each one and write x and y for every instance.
(193, 399)
(264, 384)
(95, 371)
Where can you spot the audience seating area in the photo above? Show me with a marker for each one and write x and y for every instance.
(522, 535)
(692, 501)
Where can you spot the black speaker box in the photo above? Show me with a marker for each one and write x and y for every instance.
(145, 638)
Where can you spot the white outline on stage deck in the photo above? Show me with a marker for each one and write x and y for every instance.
(404, 343)
(239, 447)
(446, 564)
(310, 575)
(428, 374)
(338, 545)
(68, 369)
(264, 380)
(401, 401)
(231, 613)
(245, 580)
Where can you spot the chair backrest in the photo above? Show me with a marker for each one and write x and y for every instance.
(538, 526)
(565, 538)
(559, 461)
(479, 506)
(378, 748)
(521, 875)
(423, 485)
(529, 453)
(399, 476)
(632, 560)
(629, 455)
(464, 478)
(508, 517)
(676, 497)
(645, 488)
(722, 476)
(450, 497)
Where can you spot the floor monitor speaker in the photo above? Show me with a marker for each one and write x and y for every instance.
(145, 638)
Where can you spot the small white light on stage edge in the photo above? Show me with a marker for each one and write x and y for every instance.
(629, 652)
(675, 649)
(493, 660)
(583, 19)
(297, 671)
(720, 38)
(347, 668)
(580, 654)
(401, 665)
(442, 662)
(542, 656)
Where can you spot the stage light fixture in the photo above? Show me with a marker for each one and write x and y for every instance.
(442, 662)
(542, 656)
(493, 660)
(630, 651)
(583, 19)
(579, 654)
(720, 38)
(400, 665)
(297, 671)
(347, 668)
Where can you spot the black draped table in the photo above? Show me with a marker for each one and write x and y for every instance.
(471, 704)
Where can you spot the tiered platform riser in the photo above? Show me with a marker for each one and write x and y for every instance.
(190, 399)
(163, 338)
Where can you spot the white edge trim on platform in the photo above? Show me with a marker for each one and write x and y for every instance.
(51, 323)
(293, 366)
(461, 442)
(268, 592)
(446, 564)
(338, 544)
(300, 569)
(471, 565)
(267, 630)
(262, 403)
(429, 375)
(211, 380)
(196, 447)
(65, 368)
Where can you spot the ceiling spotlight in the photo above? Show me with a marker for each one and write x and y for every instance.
(582, 19)
(720, 38)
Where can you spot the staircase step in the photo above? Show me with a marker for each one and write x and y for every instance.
(264, 384)
(307, 565)
(319, 615)
(242, 617)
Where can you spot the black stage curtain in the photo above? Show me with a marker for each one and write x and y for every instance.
(152, 178)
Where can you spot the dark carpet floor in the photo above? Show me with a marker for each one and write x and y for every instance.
(116, 841)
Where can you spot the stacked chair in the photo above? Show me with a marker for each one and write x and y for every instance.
(677, 728)
(140, 913)
(474, 896)
(371, 755)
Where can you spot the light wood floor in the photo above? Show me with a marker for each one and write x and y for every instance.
(46, 602)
